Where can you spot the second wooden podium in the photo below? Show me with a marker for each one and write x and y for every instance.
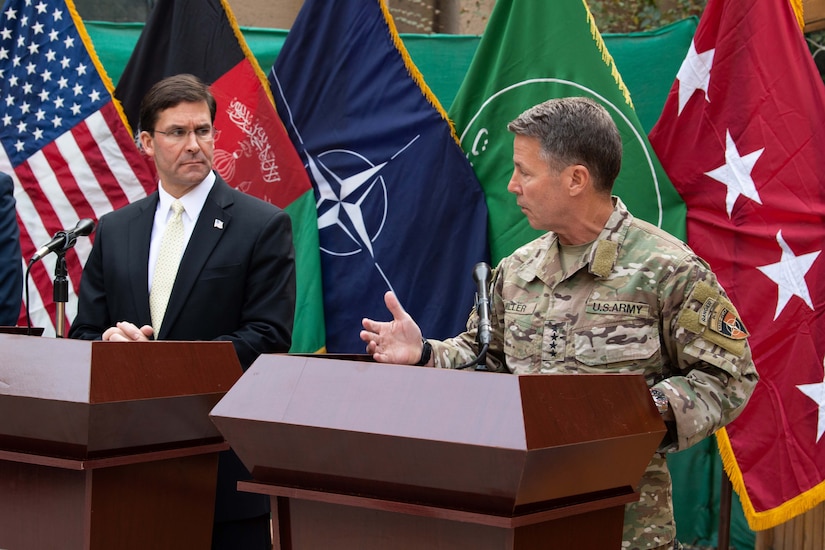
(109, 445)
(359, 455)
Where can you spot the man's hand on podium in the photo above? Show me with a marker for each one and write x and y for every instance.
(124, 331)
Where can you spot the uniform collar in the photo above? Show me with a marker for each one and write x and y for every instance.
(605, 250)
(601, 257)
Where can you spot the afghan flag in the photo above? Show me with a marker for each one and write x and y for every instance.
(252, 150)
(399, 207)
(741, 136)
(531, 52)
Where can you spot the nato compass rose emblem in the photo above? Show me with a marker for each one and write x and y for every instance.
(351, 194)
(352, 201)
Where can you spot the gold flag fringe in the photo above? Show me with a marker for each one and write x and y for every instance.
(247, 52)
(413, 71)
(262, 79)
(101, 71)
(606, 57)
(799, 12)
(759, 521)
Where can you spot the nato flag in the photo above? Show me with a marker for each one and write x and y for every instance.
(399, 207)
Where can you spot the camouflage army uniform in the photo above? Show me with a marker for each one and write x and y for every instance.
(638, 300)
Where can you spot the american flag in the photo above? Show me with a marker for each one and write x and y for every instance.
(63, 140)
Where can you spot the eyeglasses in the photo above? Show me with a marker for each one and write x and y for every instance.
(204, 134)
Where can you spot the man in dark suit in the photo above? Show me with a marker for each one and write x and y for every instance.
(235, 280)
(11, 268)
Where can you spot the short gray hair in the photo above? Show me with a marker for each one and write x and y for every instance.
(575, 130)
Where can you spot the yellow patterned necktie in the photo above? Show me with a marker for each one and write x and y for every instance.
(166, 268)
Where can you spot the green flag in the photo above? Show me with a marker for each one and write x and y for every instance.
(534, 51)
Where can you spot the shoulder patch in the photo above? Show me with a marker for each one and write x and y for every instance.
(720, 318)
(717, 321)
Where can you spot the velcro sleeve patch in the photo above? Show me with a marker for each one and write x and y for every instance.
(604, 258)
(717, 321)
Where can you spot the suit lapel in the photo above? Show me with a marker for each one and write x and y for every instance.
(209, 228)
(137, 258)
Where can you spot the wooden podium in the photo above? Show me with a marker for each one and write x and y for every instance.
(109, 445)
(359, 455)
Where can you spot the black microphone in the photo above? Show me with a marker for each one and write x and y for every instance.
(64, 240)
(481, 275)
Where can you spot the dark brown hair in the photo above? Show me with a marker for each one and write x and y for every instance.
(170, 92)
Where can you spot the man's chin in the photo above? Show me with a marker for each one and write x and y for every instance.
(529, 219)
(194, 174)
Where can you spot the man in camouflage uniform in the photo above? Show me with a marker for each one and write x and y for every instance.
(600, 292)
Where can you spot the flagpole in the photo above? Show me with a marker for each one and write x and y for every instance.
(724, 513)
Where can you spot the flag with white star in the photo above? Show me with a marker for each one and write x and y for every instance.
(741, 137)
(62, 140)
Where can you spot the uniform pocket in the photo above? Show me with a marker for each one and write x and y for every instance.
(620, 344)
(522, 339)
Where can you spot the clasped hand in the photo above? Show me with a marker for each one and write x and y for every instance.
(124, 331)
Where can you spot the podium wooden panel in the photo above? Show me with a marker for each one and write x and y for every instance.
(109, 445)
(368, 456)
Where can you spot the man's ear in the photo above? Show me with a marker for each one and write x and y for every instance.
(579, 179)
(147, 143)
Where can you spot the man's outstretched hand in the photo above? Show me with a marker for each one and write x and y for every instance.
(397, 341)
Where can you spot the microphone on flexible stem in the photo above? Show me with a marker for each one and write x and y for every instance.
(60, 243)
(481, 275)
(64, 240)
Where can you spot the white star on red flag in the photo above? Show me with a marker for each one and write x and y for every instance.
(817, 393)
(736, 173)
(694, 74)
(761, 126)
(789, 275)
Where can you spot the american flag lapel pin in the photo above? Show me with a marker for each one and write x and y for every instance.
(218, 223)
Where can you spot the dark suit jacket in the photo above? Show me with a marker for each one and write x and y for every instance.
(11, 267)
(236, 282)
